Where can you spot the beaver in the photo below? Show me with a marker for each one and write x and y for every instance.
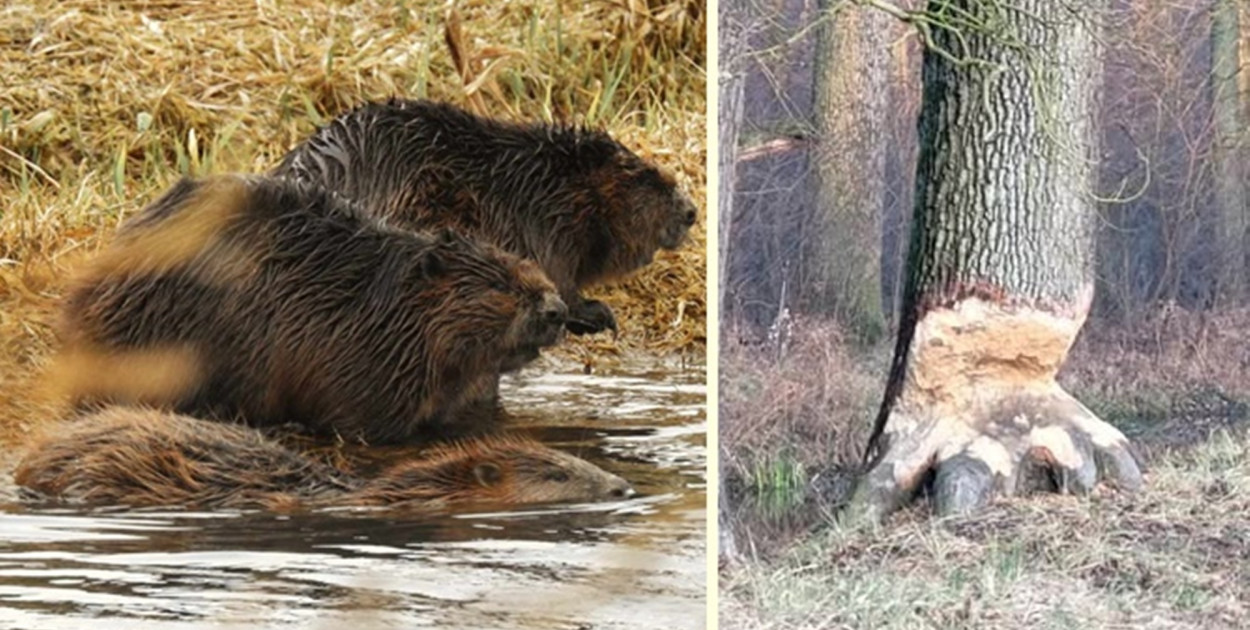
(145, 457)
(285, 304)
(583, 206)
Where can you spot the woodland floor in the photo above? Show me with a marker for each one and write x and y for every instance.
(1175, 555)
(106, 105)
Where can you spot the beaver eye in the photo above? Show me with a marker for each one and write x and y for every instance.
(651, 179)
(557, 475)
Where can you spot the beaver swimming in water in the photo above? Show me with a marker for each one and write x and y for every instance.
(282, 303)
(583, 206)
(144, 457)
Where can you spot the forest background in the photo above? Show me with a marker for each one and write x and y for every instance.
(819, 103)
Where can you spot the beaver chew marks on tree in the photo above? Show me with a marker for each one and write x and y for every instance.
(277, 302)
(143, 457)
(999, 273)
(575, 200)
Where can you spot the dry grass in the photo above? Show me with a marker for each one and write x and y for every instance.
(106, 104)
(1172, 556)
(809, 398)
(793, 421)
(1168, 381)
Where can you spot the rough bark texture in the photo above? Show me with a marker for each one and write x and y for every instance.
(1229, 145)
(844, 246)
(999, 272)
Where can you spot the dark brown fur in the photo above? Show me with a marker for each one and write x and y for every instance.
(142, 457)
(286, 305)
(581, 204)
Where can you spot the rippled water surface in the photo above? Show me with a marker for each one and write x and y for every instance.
(631, 564)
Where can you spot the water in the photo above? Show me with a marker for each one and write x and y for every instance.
(638, 563)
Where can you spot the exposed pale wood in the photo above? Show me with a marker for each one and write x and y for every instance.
(769, 147)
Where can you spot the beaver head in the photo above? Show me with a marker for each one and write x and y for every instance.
(497, 469)
(643, 210)
(654, 194)
(508, 298)
(540, 311)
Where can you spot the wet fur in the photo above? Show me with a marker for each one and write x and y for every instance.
(575, 200)
(297, 308)
(123, 456)
(143, 457)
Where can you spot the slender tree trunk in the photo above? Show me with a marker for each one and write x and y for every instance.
(999, 277)
(732, 47)
(903, 106)
(1230, 153)
(1243, 78)
(732, 81)
(851, 64)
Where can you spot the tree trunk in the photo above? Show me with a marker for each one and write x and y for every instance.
(1229, 145)
(1243, 78)
(732, 79)
(999, 277)
(851, 64)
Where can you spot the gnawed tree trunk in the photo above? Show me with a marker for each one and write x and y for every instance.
(999, 277)
(851, 63)
(1229, 145)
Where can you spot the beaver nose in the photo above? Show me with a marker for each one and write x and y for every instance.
(553, 310)
(690, 216)
(685, 208)
(622, 490)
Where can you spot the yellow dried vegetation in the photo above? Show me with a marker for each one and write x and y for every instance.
(104, 105)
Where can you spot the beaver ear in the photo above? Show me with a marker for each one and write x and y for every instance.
(487, 474)
(595, 151)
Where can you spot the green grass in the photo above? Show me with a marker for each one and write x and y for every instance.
(778, 483)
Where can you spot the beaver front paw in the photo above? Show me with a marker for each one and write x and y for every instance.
(590, 317)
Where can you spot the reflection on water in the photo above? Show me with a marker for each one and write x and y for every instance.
(630, 564)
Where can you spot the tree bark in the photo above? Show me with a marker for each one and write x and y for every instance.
(999, 277)
(851, 64)
(732, 79)
(1243, 78)
(1229, 145)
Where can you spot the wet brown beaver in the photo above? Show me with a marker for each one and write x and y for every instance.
(281, 303)
(575, 200)
(142, 457)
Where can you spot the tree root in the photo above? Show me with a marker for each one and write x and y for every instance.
(1007, 441)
